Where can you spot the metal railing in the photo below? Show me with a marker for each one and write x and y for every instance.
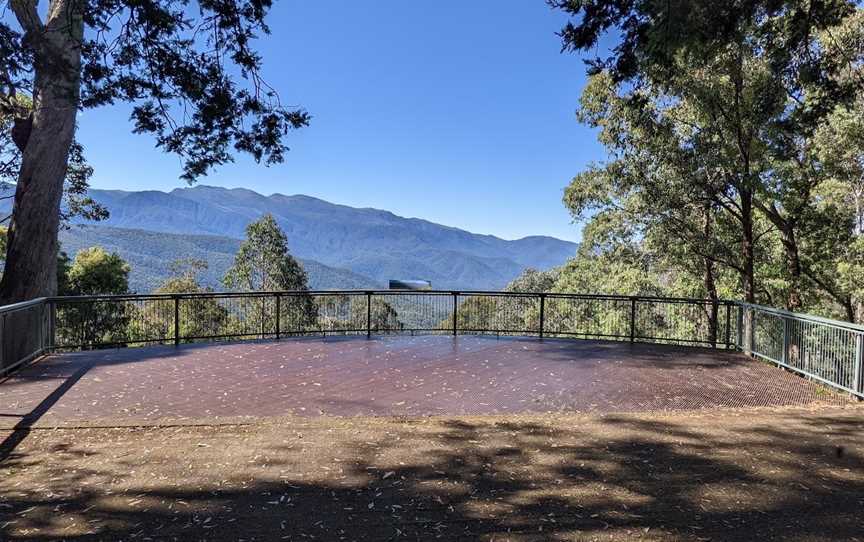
(25, 332)
(826, 350)
(84, 322)
(829, 351)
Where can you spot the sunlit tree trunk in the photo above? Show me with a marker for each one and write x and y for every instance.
(31, 255)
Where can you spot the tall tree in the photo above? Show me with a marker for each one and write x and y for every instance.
(737, 90)
(264, 263)
(189, 71)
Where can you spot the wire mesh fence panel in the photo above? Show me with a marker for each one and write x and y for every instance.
(498, 314)
(147, 320)
(826, 350)
(246, 316)
(333, 313)
(768, 335)
(205, 318)
(383, 314)
(298, 313)
(25, 332)
(415, 311)
(95, 322)
(680, 321)
(829, 352)
(583, 316)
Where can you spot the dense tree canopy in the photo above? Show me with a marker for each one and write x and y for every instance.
(94, 272)
(731, 136)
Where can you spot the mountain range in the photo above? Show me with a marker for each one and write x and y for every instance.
(352, 247)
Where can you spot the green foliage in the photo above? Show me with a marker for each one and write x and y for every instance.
(94, 272)
(184, 277)
(733, 139)
(198, 317)
(191, 75)
(532, 280)
(263, 263)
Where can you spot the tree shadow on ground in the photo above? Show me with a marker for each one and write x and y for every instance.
(783, 477)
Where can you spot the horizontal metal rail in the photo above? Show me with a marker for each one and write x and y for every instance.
(401, 293)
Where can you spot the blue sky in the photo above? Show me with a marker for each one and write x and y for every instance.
(457, 112)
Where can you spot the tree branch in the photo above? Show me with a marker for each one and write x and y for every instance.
(28, 17)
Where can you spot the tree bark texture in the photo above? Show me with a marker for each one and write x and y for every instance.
(31, 256)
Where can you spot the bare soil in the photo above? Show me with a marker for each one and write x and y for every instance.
(789, 473)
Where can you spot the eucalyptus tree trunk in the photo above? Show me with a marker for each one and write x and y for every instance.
(748, 247)
(31, 256)
(709, 282)
(748, 275)
(794, 268)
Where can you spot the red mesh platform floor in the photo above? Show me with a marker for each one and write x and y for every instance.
(401, 376)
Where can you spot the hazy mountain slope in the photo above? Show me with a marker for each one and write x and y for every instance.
(370, 242)
(150, 254)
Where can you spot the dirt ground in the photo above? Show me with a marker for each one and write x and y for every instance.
(748, 474)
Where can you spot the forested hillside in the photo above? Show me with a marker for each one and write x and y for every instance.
(150, 254)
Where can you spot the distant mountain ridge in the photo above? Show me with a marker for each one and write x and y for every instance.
(369, 242)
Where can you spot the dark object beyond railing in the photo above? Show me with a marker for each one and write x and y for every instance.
(827, 350)
(410, 284)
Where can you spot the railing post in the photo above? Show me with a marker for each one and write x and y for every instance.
(176, 320)
(455, 311)
(714, 322)
(632, 319)
(728, 324)
(748, 318)
(52, 326)
(278, 316)
(368, 315)
(784, 356)
(858, 385)
(3, 349)
(263, 316)
(542, 307)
